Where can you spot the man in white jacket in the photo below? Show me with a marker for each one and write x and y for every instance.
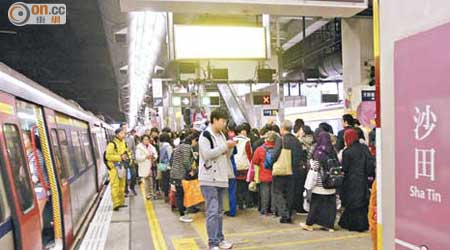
(214, 172)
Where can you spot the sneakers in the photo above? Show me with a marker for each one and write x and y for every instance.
(193, 210)
(214, 248)
(186, 219)
(134, 192)
(225, 245)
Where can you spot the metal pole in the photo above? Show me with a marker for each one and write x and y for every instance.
(280, 72)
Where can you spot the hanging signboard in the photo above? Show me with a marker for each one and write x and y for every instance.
(422, 147)
(270, 112)
(322, 8)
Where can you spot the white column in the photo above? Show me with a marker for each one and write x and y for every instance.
(357, 49)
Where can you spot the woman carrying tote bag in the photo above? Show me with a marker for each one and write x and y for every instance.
(145, 156)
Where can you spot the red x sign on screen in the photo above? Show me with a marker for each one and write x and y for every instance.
(266, 99)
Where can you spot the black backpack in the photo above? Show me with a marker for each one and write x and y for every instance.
(104, 154)
(331, 173)
(208, 136)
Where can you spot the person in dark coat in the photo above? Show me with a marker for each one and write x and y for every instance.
(348, 122)
(285, 186)
(355, 192)
(258, 143)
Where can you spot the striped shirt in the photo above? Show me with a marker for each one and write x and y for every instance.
(318, 188)
(181, 161)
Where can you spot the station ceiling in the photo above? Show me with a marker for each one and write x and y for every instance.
(73, 60)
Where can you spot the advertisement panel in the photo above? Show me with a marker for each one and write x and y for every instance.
(422, 145)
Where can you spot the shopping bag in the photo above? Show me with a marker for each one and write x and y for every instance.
(306, 201)
(162, 167)
(283, 166)
(128, 174)
(172, 199)
(311, 179)
(252, 187)
(192, 193)
(121, 172)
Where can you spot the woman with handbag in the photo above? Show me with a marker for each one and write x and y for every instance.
(145, 157)
(322, 201)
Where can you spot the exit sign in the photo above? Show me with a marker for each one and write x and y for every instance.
(262, 99)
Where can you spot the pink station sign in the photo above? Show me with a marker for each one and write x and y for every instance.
(422, 140)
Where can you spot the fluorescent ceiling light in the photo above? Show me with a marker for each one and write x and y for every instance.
(219, 42)
(147, 31)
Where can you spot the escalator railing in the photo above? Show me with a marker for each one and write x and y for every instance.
(233, 104)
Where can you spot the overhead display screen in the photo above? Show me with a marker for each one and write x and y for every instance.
(219, 42)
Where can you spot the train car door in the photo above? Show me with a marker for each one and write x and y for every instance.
(43, 173)
(25, 206)
(59, 142)
(6, 222)
(98, 152)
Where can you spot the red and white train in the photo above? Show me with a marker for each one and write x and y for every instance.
(51, 167)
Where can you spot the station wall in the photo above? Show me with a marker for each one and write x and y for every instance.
(398, 19)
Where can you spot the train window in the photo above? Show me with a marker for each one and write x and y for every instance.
(5, 212)
(87, 148)
(28, 115)
(4, 207)
(56, 152)
(77, 154)
(19, 166)
(95, 145)
(64, 147)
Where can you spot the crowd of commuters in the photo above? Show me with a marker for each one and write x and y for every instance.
(282, 171)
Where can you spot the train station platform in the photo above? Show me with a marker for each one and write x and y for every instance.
(151, 224)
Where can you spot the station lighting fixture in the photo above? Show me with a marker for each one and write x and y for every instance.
(219, 42)
(146, 32)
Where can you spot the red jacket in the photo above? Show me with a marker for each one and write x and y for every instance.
(259, 156)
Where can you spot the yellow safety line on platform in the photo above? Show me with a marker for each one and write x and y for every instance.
(185, 244)
(155, 228)
(199, 226)
(306, 242)
(264, 232)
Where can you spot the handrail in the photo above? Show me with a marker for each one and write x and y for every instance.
(36, 158)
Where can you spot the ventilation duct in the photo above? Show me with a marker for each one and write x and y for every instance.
(331, 66)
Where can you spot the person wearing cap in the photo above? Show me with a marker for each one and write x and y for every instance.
(117, 155)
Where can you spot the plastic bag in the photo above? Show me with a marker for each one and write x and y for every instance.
(192, 193)
(121, 172)
(311, 179)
